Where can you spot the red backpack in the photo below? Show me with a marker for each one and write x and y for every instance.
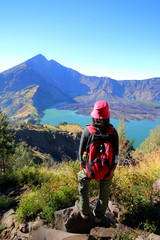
(99, 154)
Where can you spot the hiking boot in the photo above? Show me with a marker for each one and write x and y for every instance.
(83, 215)
(97, 219)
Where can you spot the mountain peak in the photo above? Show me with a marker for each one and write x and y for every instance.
(37, 58)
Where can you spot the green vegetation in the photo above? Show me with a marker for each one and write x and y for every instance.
(12, 155)
(6, 203)
(123, 236)
(55, 187)
(132, 189)
(152, 142)
(6, 141)
(52, 190)
(125, 146)
(36, 144)
(22, 156)
(19, 105)
(50, 144)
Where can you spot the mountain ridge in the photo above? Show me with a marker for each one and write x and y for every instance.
(27, 89)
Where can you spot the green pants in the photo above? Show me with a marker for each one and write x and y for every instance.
(102, 202)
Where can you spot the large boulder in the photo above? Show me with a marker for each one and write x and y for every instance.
(45, 233)
(70, 220)
(8, 219)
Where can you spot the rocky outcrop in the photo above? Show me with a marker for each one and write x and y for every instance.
(8, 220)
(70, 220)
(14, 231)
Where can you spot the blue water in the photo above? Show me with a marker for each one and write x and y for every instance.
(137, 130)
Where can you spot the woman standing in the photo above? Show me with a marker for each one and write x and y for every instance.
(101, 123)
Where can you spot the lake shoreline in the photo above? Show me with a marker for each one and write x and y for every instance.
(118, 111)
(136, 130)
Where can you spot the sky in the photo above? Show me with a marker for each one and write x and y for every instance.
(119, 39)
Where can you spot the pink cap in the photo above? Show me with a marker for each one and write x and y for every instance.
(101, 110)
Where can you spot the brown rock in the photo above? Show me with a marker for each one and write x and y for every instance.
(8, 220)
(35, 225)
(156, 186)
(123, 228)
(5, 234)
(44, 233)
(13, 234)
(114, 209)
(69, 220)
(23, 227)
(153, 237)
(107, 233)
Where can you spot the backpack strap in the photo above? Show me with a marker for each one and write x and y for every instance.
(92, 129)
(110, 130)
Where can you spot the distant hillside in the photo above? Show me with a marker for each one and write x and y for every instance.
(61, 142)
(29, 88)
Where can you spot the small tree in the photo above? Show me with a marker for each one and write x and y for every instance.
(6, 141)
(48, 161)
(125, 146)
(22, 156)
(152, 142)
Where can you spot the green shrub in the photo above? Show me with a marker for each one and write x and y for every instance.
(56, 201)
(152, 142)
(123, 236)
(5, 203)
(8, 180)
(23, 156)
(45, 202)
(57, 194)
(29, 207)
(150, 225)
(29, 175)
(132, 189)
(59, 191)
(26, 175)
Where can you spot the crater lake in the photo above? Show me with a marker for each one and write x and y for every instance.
(136, 130)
